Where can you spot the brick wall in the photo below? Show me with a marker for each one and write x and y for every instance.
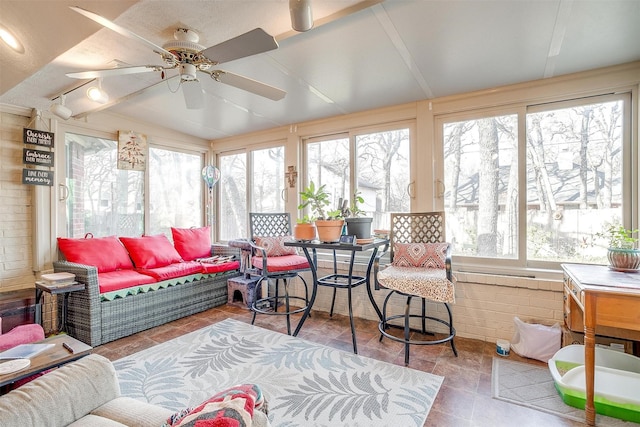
(484, 309)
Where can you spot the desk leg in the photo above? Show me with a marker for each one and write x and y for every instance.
(314, 274)
(589, 355)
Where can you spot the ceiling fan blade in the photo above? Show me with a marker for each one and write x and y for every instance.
(249, 85)
(120, 30)
(247, 44)
(192, 91)
(114, 72)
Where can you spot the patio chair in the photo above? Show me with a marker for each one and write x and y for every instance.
(273, 260)
(420, 267)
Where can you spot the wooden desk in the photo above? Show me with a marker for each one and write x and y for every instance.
(606, 298)
(50, 358)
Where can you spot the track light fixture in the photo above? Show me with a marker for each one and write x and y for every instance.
(60, 110)
(97, 94)
(301, 15)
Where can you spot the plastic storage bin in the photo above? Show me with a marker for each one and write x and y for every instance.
(617, 381)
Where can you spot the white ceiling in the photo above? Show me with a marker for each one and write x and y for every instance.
(388, 53)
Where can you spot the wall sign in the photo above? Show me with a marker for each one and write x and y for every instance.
(37, 177)
(37, 157)
(37, 137)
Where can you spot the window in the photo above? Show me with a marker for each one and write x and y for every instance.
(175, 190)
(266, 175)
(376, 165)
(102, 200)
(233, 196)
(535, 185)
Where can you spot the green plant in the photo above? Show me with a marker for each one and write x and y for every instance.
(316, 199)
(305, 220)
(620, 237)
(355, 205)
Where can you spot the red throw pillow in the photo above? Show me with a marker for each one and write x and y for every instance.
(105, 253)
(192, 243)
(151, 251)
(425, 255)
(275, 245)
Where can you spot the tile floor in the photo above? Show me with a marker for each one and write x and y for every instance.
(464, 399)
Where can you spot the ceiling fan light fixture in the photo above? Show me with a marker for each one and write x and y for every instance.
(97, 94)
(60, 110)
(301, 15)
(188, 71)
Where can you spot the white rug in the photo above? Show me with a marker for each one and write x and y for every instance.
(306, 384)
(532, 386)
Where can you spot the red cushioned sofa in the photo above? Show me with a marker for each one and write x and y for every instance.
(136, 283)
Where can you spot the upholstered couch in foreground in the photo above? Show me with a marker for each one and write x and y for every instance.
(136, 283)
(87, 393)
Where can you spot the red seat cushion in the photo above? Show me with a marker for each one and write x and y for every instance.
(105, 253)
(121, 279)
(192, 243)
(172, 271)
(282, 263)
(218, 268)
(151, 251)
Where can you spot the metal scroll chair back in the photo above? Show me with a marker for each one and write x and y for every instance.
(270, 224)
(284, 267)
(421, 227)
(426, 281)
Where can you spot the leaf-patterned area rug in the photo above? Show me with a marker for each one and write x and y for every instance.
(306, 384)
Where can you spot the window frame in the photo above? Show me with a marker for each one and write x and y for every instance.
(521, 264)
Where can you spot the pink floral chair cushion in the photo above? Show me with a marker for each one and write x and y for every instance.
(424, 255)
(274, 246)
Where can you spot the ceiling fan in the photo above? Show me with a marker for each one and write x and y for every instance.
(185, 55)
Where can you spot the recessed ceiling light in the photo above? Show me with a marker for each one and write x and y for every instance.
(11, 40)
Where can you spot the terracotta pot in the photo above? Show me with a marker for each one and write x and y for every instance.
(624, 259)
(329, 231)
(305, 232)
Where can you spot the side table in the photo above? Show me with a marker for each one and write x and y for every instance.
(56, 290)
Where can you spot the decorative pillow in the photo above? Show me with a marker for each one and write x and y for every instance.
(231, 407)
(425, 255)
(105, 253)
(275, 245)
(192, 243)
(151, 251)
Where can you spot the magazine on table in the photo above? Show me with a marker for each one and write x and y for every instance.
(25, 351)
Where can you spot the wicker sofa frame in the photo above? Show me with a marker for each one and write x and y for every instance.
(95, 320)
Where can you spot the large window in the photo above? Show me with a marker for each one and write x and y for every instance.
(104, 200)
(373, 164)
(537, 184)
(175, 190)
(265, 173)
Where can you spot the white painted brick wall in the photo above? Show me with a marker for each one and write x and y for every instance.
(15, 208)
(484, 309)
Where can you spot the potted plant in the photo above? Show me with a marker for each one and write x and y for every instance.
(623, 253)
(357, 223)
(305, 229)
(328, 223)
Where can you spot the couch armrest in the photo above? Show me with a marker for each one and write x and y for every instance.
(224, 250)
(61, 396)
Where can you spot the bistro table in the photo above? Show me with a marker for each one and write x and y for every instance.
(336, 280)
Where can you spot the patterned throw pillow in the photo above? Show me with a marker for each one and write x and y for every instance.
(425, 255)
(275, 245)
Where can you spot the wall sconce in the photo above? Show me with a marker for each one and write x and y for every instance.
(97, 94)
(60, 110)
(301, 15)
